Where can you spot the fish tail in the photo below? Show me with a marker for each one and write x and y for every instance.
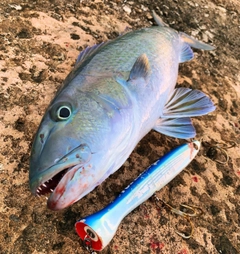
(187, 42)
(186, 53)
(195, 43)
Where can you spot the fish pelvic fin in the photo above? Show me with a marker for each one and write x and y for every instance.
(176, 127)
(158, 20)
(195, 43)
(185, 102)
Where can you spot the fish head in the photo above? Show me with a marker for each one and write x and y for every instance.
(61, 155)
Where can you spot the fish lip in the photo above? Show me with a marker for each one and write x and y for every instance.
(77, 156)
(55, 197)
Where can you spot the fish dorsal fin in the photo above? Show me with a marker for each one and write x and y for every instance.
(158, 20)
(141, 68)
(175, 127)
(89, 51)
(185, 102)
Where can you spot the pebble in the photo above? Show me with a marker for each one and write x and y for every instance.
(127, 9)
(16, 7)
(144, 8)
(209, 34)
(205, 37)
(220, 8)
(149, 15)
(203, 27)
(194, 33)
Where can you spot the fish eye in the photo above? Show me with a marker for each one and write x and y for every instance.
(63, 112)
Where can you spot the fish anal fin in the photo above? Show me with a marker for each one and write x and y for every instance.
(185, 102)
(176, 127)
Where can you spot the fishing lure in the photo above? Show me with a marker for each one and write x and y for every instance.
(98, 229)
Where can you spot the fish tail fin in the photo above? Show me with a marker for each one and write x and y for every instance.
(188, 42)
(185, 102)
(195, 43)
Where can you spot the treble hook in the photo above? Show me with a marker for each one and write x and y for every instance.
(222, 147)
(192, 213)
(87, 243)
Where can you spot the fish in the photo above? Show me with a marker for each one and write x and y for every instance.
(117, 92)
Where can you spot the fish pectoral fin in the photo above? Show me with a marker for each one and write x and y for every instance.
(176, 127)
(139, 73)
(140, 69)
(185, 102)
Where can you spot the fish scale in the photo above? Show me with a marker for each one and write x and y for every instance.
(135, 43)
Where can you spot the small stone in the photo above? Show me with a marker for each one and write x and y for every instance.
(205, 37)
(221, 9)
(127, 9)
(194, 33)
(209, 34)
(144, 8)
(203, 27)
(149, 15)
(191, 4)
(16, 7)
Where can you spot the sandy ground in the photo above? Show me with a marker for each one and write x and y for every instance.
(39, 42)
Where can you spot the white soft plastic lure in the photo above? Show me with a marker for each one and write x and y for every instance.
(117, 92)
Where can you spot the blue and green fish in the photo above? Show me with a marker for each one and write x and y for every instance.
(117, 92)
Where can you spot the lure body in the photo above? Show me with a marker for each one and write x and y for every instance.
(101, 226)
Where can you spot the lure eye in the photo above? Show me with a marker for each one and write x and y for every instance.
(63, 113)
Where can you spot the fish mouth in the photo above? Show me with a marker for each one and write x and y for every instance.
(50, 185)
(47, 181)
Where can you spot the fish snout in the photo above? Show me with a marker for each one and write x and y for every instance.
(47, 180)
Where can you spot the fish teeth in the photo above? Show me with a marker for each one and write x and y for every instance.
(39, 188)
(51, 190)
(44, 185)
